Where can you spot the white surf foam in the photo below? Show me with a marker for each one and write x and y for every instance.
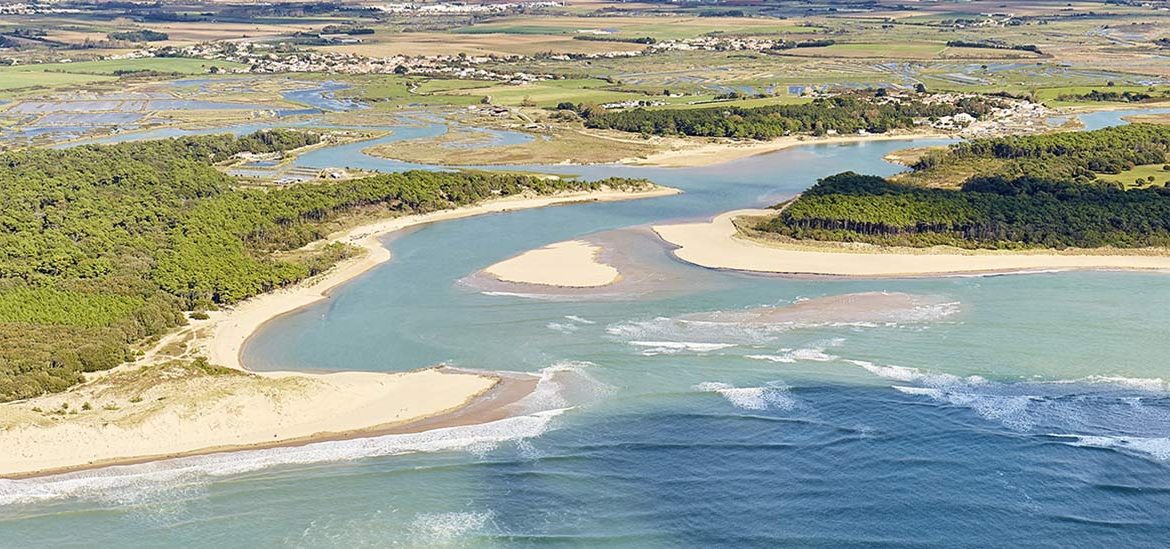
(1083, 404)
(908, 375)
(565, 384)
(782, 358)
(1156, 448)
(579, 320)
(562, 327)
(1136, 383)
(447, 527)
(130, 483)
(520, 294)
(814, 353)
(772, 395)
(675, 347)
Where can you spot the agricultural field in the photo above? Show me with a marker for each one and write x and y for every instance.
(659, 28)
(114, 66)
(386, 44)
(17, 80)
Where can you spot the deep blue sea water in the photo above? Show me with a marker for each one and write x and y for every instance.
(1006, 410)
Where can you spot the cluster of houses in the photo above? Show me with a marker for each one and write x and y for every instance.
(458, 8)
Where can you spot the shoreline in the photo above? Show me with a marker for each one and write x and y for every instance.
(230, 331)
(719, 244)
(483, 407)
(143, 410)
(710, 154)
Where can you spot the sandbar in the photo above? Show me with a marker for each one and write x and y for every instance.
(571, 264)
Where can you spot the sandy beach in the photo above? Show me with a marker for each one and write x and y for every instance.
(571, 264)
(717, 244)
(184, 412)
(689, 154)
(159, 407)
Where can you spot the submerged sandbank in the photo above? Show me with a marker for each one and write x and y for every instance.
(570, 264)
(718, 244)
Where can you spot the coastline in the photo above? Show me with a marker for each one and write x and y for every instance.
(230, 330)
(155, 408)
(709, 154)
(491, 404)
(718, 244)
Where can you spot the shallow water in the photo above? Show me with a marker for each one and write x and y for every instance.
(724, 410)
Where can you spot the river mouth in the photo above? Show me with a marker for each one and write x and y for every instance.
(718, 404)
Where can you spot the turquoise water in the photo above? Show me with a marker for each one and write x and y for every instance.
(1022, 409)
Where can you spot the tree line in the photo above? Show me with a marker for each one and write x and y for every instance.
(868, 111)
(103, 246)
(1043, 196)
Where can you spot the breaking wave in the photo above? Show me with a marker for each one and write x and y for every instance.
(1155, 448)
(559, 387)
(771, 396)
(810, 354)
(674, 347)
(125, 484)
(1131, 415)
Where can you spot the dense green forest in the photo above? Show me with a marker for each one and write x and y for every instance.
(869, 111)
(1042, 194)
(1066, 156)
(103, 246)
(142, 35)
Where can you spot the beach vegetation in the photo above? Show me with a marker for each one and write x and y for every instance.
(1041, 191)
(851, 113)
(103, 247)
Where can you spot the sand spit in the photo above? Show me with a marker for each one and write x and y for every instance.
(689, 155)
(174, 410)
(719, 245)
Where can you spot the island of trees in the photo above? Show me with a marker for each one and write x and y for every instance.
(103, 247)
(142, 35)
(873, 112)
(1037, 191)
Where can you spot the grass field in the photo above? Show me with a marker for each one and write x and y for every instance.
(548, 93)
(14, 80)
(1150, 175)
(905, 50)
(161, 64)
(661, 28)
(1051, 96)
(385, 44)
(461, 148)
